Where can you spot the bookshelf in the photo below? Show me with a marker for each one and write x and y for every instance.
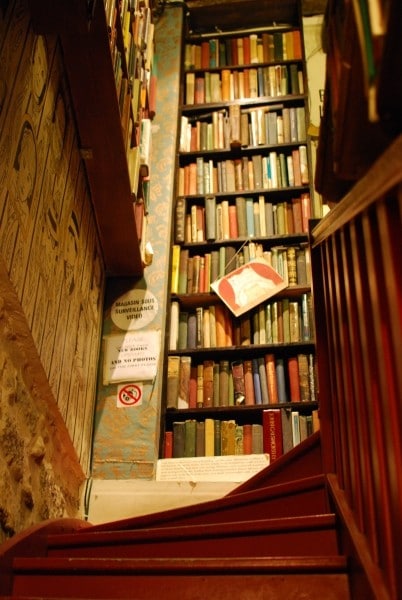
(241, 384)
(108, 54)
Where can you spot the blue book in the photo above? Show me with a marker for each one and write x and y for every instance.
(280, 379)
(257, 384)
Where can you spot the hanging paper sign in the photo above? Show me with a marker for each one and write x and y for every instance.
(249, 285)
(134, 310)
(131, 356)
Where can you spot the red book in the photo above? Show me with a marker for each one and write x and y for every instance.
(297, 45)
(293, 372)
(306, 210)
(272, 433)
(297, 215)
(233, 229)
(192, 179)
(204, 55)
(271, 378)
(192, 388)
(246, 51)
(235, 55)
(249, 382)
(168, 446)
(199, 92)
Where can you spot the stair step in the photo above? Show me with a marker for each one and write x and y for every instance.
(304, 460)
(305, 536)
(189, 578)
(303, 496)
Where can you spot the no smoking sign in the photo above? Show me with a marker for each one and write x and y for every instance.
(129, 395)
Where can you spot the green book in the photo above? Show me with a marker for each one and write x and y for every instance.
(190, 437)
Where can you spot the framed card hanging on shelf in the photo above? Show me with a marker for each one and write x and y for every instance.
(244, 288)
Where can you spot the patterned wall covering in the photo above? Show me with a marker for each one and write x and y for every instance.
(126, 438)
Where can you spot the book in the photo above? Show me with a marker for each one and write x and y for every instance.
(217, 438)
(210, 218)
(280, 379)
(209, 437)
(224, 383)
(249, 382)
(257, 438)
(287, 430)
(173, 370)
(238, 382)
(183, 270)
(200, 386)
(293, 377)
(228, 441)
(190, 426)
(179, 438)
(272, 433)
(256, 381)
(183, 394)
(208, 383)
(174, 325)
(263, 380)
(168, 445)
(174, 286)
(270, 367)
(295, 427)
(200, 438)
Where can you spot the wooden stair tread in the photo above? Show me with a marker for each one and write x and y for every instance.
(258, 526)
(277, 564)
(189, 579)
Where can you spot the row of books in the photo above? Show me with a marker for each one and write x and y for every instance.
(194, 273)
(283, 321)
(280, 431)
(273, 171)
(223, 129)
(243, 217)
(243, 50)
(267, 379)
(135, 84)
(255, 82)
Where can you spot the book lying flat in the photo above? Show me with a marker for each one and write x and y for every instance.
(249, 285)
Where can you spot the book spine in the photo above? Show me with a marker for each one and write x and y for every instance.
(272, 432)
(238, 382)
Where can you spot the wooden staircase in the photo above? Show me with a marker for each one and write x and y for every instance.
(273, 537)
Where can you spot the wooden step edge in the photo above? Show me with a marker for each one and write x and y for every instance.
(189, 565)
(299, 452)
(197, 531)
(229, 501)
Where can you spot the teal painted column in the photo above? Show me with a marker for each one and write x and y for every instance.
(126, 438)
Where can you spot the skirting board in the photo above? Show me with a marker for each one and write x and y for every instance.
(111, 500)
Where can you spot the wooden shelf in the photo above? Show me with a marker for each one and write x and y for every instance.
(88, 62)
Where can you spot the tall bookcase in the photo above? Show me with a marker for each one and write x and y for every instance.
(108, 49)
(241, 384)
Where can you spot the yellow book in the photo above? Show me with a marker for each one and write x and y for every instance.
(174, 286)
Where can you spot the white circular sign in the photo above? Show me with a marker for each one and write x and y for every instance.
(134, 310)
